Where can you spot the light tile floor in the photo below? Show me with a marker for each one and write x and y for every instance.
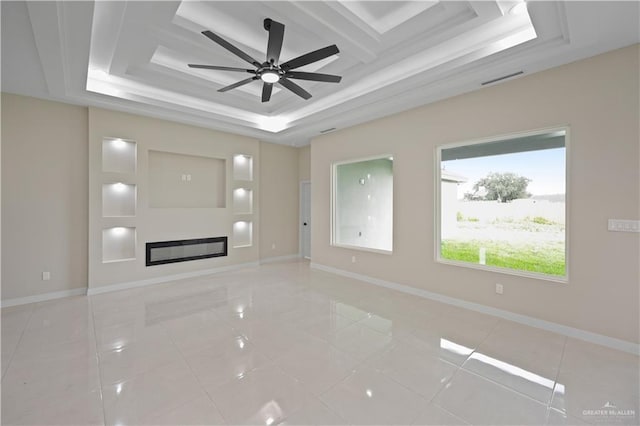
(281, 344)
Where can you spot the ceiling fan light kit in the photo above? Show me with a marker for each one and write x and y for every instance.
(269, 76)
(270, 71)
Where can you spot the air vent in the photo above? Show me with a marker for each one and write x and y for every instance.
(327, 130)
(502, 78)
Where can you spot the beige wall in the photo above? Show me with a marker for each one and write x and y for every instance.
(598, 99)
(304, 163)
(44, 196)
(47, 211)
(279, 200)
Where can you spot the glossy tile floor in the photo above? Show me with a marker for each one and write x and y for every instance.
(281, 344)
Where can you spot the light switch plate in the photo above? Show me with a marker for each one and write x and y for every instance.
(621, 225)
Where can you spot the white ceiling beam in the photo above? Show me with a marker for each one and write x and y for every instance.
(105, 33)
(76, 44)
(46, 25)
(328, 24)
(136, 42)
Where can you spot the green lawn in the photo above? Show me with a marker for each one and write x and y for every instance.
(546, 260)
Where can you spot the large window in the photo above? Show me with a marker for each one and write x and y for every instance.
(363, 204)
(501, 204)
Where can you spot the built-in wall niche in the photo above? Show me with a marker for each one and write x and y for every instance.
(242, 234)
(118, 244)
(118, 199)
(118, 155)
(243, 167)
(362, 205)
(186, 181)
(242, 201)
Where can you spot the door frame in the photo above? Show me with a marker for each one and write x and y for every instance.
(301, 219)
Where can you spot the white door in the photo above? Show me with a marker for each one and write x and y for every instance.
(305, 219)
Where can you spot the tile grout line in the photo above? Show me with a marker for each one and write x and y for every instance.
(363, 362)
(453, 415)
(459, 367)
(359, 362)
(566, 338)
(555, 384)
(507, 386)
(98, 361)
(313, 395)
(13, 353)
(195, 376)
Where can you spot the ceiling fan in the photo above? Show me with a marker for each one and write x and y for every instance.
(271, 71)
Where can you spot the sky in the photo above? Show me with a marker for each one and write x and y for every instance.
(545, 168)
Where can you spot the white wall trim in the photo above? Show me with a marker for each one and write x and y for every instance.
(166, 278)
(300, 215)
(280, 258)
(612, 342)
(44, 297)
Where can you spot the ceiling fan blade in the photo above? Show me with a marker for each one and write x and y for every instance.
(294, 88)
(310, 57)
(230, 47)
(266, 92)
(276, 36)
(313, 76)
(216, 67)
(238, 84)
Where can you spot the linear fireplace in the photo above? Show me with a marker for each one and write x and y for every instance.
(162, 252)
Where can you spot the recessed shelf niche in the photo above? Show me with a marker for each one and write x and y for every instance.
(242, 234)
(243, 167)
(118, 155)
(118, 199)
(242, 201)
(118, 244)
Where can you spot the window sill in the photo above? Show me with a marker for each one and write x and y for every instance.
(359, 248)
(496, 269)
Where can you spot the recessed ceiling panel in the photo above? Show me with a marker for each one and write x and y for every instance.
(385, 15)
(392, 54)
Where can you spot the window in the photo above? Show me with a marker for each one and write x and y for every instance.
(363, 204)
(501, 204)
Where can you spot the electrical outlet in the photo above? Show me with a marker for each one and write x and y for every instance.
(46, 276)
(499, 289)
(353, 259)
(273, 246)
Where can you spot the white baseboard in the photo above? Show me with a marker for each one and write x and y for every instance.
(280, 258)
(577, 333)
(43, 297)
(166, 278)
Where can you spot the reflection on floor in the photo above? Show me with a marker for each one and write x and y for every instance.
(281, 344)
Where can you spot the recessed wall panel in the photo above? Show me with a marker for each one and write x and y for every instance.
(186, 181)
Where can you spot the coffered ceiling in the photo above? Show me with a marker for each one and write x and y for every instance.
(394, 55)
